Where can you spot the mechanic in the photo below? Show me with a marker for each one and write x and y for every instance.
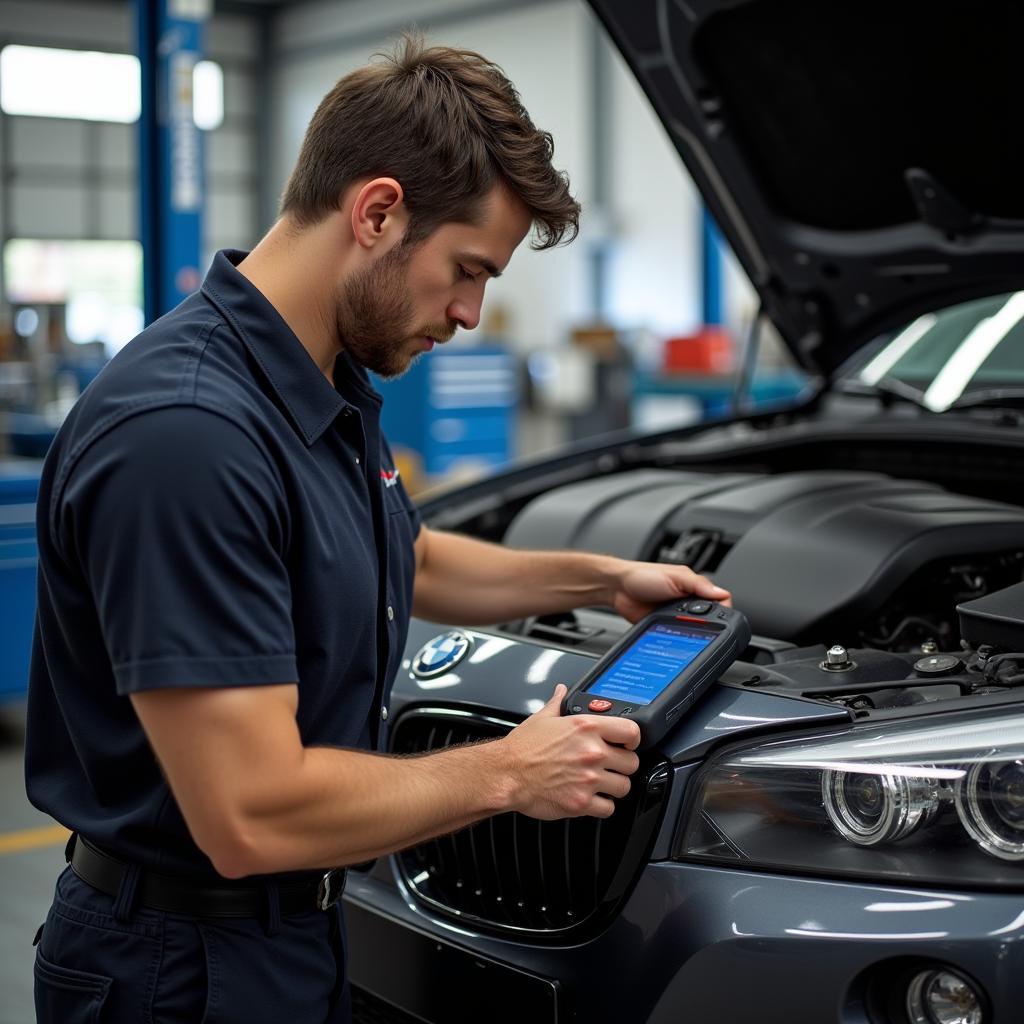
(228, 563)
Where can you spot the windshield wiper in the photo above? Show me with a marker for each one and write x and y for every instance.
(885, 389)
(1011, 397)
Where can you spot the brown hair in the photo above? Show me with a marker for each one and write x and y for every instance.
(448, 125)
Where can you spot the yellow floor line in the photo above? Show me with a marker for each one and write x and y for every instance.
(33, 838)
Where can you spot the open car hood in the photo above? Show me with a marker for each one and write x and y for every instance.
(863, 159)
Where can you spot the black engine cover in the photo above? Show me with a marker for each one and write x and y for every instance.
(799, 551)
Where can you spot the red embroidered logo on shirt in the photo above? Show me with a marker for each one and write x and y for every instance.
(389, 476)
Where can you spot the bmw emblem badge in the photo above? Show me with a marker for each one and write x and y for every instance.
(442, 653)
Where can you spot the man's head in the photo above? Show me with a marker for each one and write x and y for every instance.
(434, 144)
(448, 125)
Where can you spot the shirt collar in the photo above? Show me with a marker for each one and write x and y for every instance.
(304, 391)
(352, 381)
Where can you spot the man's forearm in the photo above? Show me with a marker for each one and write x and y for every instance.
(472, 582)
(344, 807)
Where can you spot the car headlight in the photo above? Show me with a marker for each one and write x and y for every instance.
(940, 800)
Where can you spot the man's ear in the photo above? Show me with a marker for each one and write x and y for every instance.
(379, 217)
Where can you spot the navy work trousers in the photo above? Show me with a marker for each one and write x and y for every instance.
(97, 964)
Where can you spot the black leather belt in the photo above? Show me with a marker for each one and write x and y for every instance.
(196, 899)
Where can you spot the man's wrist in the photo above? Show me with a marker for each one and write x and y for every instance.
(608, 572)
(500, 789)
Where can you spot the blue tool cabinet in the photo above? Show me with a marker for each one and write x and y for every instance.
(454, 409)
(19, 485)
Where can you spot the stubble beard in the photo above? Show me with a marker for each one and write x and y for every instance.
(375, 316)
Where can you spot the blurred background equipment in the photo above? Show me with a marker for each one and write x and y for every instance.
(455, 410)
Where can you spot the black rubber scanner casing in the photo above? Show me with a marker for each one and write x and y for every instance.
(661, 715)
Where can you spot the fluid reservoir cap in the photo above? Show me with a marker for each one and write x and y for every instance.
(938, 665)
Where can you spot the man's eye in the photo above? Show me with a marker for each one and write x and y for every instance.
(465, 274)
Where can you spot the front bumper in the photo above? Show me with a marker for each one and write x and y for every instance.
(692, 943)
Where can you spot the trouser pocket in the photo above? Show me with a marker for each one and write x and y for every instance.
(91, 966)
(66, 996)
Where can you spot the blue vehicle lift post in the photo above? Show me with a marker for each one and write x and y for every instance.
(171, 170)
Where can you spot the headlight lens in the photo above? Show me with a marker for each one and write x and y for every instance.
(990, 802)
(868, 809)
(941, 802)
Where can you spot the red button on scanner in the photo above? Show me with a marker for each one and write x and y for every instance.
(598, 704)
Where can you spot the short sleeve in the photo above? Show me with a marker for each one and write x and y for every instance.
(178, 521)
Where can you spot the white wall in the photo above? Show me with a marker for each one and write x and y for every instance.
(656, 219)
(232, 217)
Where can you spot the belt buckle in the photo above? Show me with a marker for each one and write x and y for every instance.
(331, 886)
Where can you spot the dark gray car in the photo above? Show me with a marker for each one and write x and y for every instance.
(835, 834)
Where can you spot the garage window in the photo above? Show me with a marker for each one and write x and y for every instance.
(87, 85)
(96, 285)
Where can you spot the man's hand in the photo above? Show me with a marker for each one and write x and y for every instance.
(643, 586)
(566, 767)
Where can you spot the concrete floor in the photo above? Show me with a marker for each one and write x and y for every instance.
(26, 875)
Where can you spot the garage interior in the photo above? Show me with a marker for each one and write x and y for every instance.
(642, 324)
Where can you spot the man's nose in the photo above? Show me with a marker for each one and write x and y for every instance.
(466, 314)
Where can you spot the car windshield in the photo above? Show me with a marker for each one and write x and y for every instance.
(971, 353)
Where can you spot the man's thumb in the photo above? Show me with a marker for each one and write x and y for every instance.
(553, 708)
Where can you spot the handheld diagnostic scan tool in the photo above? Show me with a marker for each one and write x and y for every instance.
(657, 671)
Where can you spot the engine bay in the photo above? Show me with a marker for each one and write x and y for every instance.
(851, 580)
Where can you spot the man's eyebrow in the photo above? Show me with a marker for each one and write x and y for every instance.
(483, 261)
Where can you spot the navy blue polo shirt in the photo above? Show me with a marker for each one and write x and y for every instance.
(212, 513)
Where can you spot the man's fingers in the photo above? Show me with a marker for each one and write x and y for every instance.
(614, 785)
(618, 731)
(601, 807)
(703, 587)
(623, 761)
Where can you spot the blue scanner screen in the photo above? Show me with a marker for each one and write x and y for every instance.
(651, 662)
